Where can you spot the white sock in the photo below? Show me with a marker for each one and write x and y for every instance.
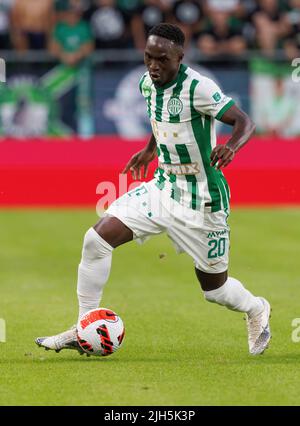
(93, 271)
(235, 297)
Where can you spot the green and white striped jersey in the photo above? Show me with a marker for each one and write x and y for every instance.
(182, 115)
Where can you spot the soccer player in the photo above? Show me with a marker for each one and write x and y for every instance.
(188, 198)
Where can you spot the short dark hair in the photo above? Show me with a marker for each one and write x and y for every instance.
(168, 31)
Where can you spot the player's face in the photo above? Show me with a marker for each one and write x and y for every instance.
(162, 58)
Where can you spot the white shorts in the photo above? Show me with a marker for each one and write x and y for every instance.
(201, 234)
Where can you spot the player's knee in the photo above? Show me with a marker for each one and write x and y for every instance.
(114, 231)
(210, 281)
(94, 246)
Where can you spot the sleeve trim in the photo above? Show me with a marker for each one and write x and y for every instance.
(224, 109)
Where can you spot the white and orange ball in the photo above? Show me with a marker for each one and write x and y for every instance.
(100, 332)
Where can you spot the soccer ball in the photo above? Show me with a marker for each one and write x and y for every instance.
(100, 332)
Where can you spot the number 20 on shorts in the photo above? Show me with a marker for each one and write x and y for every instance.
(217, 248)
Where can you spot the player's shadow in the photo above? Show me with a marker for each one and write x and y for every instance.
(51, 358)
(279, 358)
(267, 359)
(204, 359)
(118, 361)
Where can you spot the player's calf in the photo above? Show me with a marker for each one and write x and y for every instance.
(236, 297)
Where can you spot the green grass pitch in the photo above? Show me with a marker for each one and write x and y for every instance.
(178, 349)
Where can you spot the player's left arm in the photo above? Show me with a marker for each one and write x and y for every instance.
(243, 129)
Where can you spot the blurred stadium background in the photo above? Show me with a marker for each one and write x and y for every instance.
(71, 115)
(71, 97)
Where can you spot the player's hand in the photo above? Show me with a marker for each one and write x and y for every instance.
(221, 156)
(140, 159)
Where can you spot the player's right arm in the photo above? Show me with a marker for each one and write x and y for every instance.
(210, 100)
(142, 159)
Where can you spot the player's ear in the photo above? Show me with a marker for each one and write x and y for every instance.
(180, 54)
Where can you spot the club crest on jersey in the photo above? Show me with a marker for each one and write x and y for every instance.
(175, 106)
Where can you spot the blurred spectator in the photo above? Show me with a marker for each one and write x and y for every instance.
(32, 22)
(229, 6)
(239, 9)
(292, 42)
(63, 5)
(110, 24)
(222, 36)
(82, 4)
(270, 24)
(218, 26)
(130, 6)
(188, 16)
(72, 40)
(279, 111)
(145, 16)
(5, 6)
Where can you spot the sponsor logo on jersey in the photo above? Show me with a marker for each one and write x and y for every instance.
(175, 106)
(217, 97)
(216, 234)
(180, 169)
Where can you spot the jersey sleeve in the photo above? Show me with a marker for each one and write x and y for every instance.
(210, 100)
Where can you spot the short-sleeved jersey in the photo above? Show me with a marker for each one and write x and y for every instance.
(182, 115)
